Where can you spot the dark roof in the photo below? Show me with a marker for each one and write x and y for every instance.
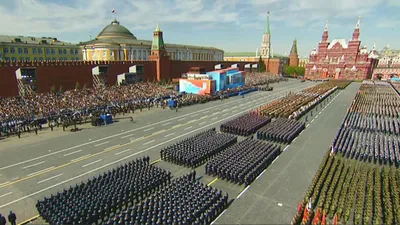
(115, 30)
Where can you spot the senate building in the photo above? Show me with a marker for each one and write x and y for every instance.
(116, 42)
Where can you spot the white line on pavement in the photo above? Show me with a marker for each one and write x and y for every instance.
(149, 142)
(206, 111)
(31, 174)
(9, 193)
(202, 123)
(50, 178)
(151, 128)
(92, 163)
(275, 159)
(218, 217)
(26, 167)
(101, 144)
(194, 115)
(169, 134)
(260, 174)
(214, 118)
(187, 128)
(286, 148)
(182, 119)
(165, 124)
(118, 153)
(4, 183)
(241, 193)
(307, 125)
(72, 152)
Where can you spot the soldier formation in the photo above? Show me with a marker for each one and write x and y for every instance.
(183, 201)
(281, 130)
(196, 150)
(371, 128)
(243, 162)
(89, 202)
(245, 125)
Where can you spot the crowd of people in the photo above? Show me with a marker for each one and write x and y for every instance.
(293, 102)
(95, 200)
(245, 125)
(370, 131)
(243, 162)
(183, 201)
(281, 130)
(196, 150)
(258, 78)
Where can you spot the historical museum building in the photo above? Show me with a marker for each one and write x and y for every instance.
(37, 49)
(339, 59)
(116, 42)
(273, 63)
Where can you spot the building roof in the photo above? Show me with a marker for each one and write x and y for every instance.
(117, 34)
(33, 40)
(342, 42)
(115, 30)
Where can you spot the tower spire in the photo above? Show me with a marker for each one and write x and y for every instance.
(267, 29)
(325, 34)
(356, 33)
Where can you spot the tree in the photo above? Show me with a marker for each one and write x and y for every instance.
(300, 71)
(261, 65)
(289, 70)
(77, 86)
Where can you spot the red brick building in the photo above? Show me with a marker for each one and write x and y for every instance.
(338, 59)
(294, 56)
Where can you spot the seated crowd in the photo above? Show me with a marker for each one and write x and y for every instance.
(257, 78)
(196, 150)
(89, 202)
(243, 162)
(183, 201)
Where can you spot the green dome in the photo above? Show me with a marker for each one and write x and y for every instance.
(114, 30)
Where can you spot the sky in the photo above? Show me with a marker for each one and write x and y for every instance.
(231, 25)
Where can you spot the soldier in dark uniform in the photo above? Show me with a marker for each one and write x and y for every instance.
(3, 220)
(12, 218)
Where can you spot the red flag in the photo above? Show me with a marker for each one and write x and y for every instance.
(113, 11)
(299, 207)
(335, 219)
(316, 217)
(323, 222)
(305, 216)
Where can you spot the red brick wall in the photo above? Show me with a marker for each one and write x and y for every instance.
(66, 74)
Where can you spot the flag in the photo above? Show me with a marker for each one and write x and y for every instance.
(323, 222)
(113, 11)
(316, 217)
(299, 207)
(335, 219)
(305, 216)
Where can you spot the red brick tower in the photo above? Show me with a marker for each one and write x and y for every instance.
(294, 57)
(159, 54)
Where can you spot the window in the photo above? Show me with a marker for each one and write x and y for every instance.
(34, 51)
(72, 58)
(65, 51)
(35, 59)
(7, 59)
(53, 51)
(40, 51)
(76, 51)
(25, 50)
(5, 50)
(27, 59)
(71, 51)
(47, 51)
(19, 50)
(21, 59)
(12, 50)
(41, 59)
(104, 55)
(59, 51)
(14, 59)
